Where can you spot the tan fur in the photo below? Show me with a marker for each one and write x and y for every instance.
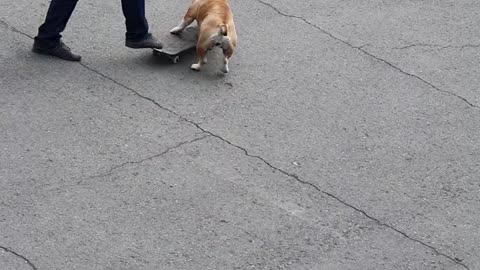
(215, 20)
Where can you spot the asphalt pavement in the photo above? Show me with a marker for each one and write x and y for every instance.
(346, 136)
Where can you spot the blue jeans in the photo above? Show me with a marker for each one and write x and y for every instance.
(59, 13)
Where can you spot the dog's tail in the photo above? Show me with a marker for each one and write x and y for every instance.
(223, 30)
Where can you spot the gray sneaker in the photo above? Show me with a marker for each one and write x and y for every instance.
(148, 42)
(60, 50)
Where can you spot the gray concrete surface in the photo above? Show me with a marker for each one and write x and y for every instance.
(345, 137)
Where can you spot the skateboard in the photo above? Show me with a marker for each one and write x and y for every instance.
(175, 45)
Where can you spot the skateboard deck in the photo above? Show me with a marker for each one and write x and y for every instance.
(175, 45)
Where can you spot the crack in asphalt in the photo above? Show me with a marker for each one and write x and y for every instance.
(293, 176)
(440, 47)
(19, 256)
(341, 201)
(112, 169)
(361, 48)
(421, 79)
(13, 29)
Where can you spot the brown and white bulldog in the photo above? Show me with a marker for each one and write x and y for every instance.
(216, 28)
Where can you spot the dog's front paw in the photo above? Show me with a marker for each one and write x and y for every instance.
(196, 67)
(177, 30)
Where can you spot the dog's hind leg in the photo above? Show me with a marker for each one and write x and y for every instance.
(225, 68)
(227, 52)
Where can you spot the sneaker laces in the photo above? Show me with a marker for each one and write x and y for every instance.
(62, 45)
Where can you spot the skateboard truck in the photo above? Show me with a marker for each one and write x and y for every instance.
(173, 58)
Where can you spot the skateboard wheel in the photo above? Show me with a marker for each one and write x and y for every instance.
(176, 59)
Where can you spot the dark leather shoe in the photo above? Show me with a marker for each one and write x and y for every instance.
(61, 51)
(148, 42)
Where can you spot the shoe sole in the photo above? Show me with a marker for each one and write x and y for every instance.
(49, 54)
(143, 47)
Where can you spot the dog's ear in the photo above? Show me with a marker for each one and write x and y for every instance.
(223, 30)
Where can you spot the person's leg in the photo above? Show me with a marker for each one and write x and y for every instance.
(137, 35)
(48, 39)
(137, 25)
(58, 14)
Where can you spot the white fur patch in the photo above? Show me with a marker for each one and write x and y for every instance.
(196, 67)
(225, 68)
